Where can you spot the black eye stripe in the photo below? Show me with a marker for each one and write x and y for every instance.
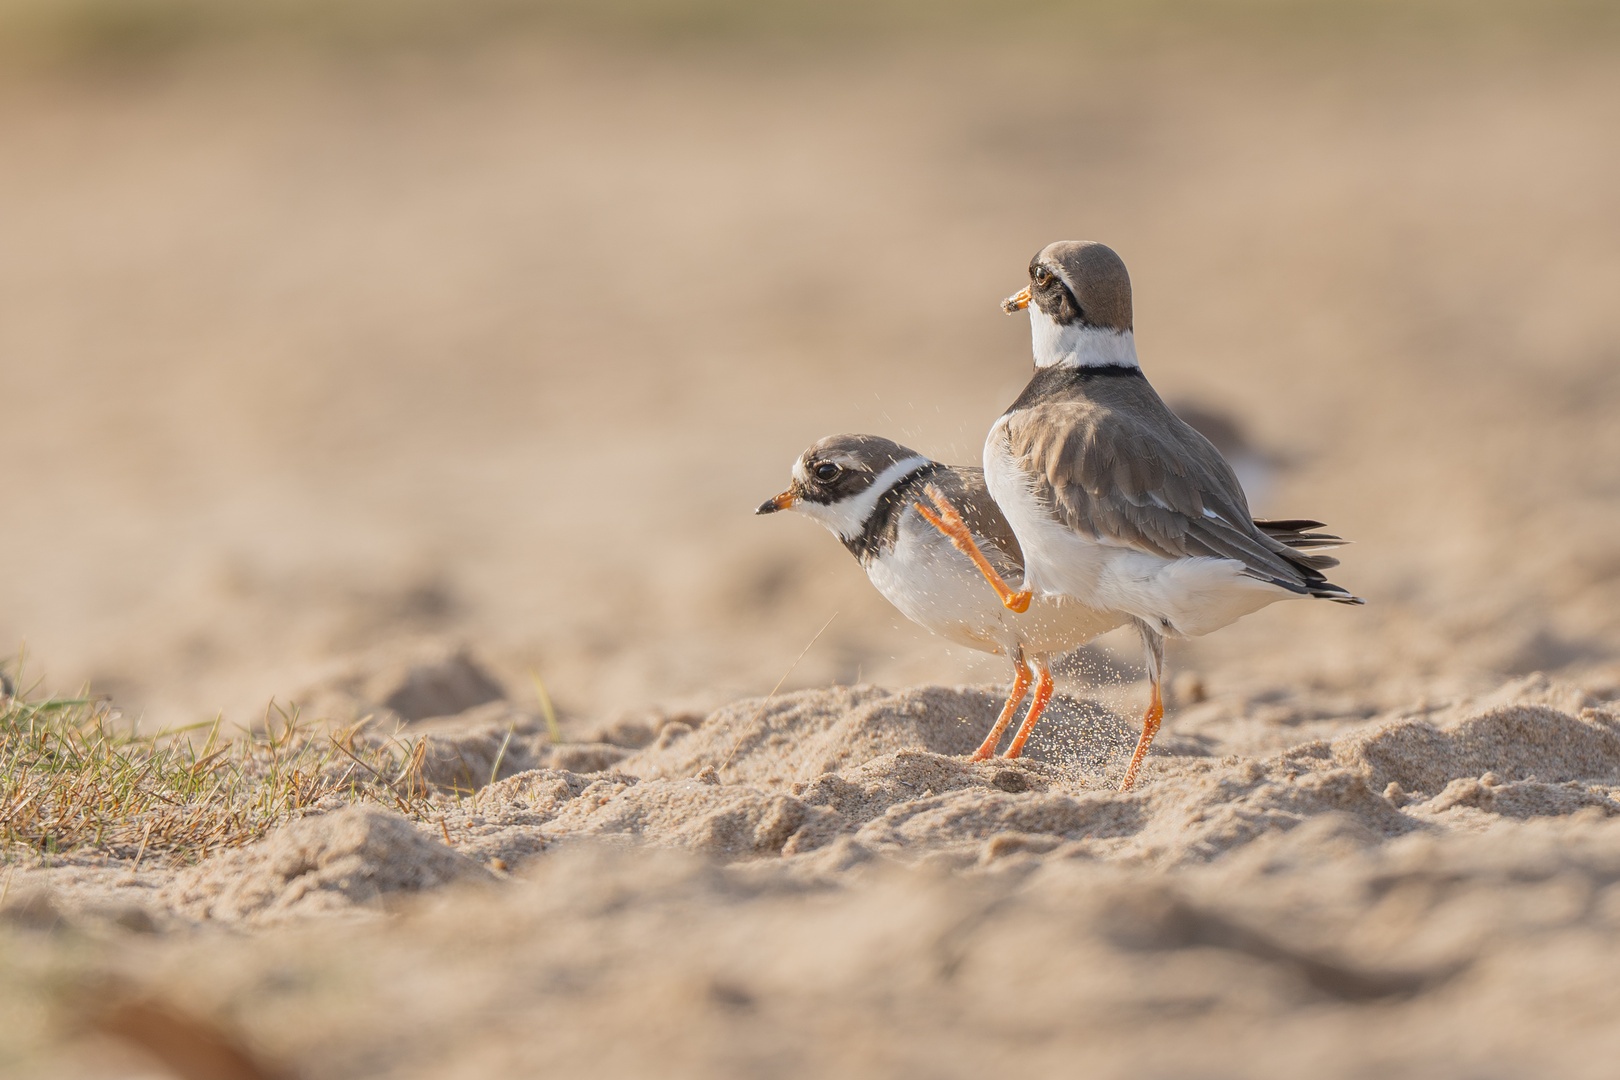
(1072, 299)
(1056, 299)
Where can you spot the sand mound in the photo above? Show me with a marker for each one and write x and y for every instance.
(772, 743)
(485, 743)
(725, 822)
(884, 773)
(335, 863)
(827, 779)
(411, 683)
(798, 737)
(1519, 734)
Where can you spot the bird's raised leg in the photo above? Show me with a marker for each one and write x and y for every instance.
(1153, 646)
(949, 522)
(1014, 696)
(1043, 694)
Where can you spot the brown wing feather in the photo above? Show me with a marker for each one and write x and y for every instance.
(1117, 465)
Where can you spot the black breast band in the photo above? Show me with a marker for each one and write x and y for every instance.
(883, 523)
(1055, 380)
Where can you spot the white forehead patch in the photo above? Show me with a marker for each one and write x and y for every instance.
(1063, 275)
(840, 458)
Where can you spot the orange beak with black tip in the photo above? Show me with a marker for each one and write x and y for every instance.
(784, 501)
(1018, 301)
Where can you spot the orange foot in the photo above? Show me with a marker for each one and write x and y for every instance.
(1043, 694)
(949, 522)
(1014, 696)
(1150, 728)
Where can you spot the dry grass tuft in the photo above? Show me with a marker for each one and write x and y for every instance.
(77, 781)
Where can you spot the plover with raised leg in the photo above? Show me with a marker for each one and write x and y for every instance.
(890, 505)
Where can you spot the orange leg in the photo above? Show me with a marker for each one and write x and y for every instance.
(1043, 694)
(1150, 728)
(949, 522)
(1014, 696)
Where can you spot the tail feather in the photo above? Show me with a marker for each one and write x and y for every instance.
(1311, 540)
(1276, 525)
(1326, 590)
(1296, 535)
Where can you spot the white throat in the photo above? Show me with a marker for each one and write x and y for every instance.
(848, 517)
(1077, 345)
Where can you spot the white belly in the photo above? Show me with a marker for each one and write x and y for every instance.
(1185, 596)
(938, 587)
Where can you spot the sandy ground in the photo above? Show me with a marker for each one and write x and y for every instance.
(314, 370)
(820, 884)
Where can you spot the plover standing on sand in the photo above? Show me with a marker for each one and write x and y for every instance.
(873, 494)
(1115, 502)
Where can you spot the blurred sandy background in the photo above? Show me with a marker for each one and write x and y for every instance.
(335, 333)
(331, 329)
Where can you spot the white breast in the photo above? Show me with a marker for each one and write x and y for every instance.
(1057, 561)
(939, 588)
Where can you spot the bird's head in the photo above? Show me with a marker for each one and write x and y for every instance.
(839, 480)
(1079, 302)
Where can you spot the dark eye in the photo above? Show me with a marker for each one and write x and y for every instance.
(1041, 275)
(826, 471)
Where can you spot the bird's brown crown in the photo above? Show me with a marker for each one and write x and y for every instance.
(1082, 281)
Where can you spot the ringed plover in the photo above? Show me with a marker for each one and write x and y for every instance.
(874, 495)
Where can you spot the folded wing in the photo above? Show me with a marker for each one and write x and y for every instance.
(1116, 465)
